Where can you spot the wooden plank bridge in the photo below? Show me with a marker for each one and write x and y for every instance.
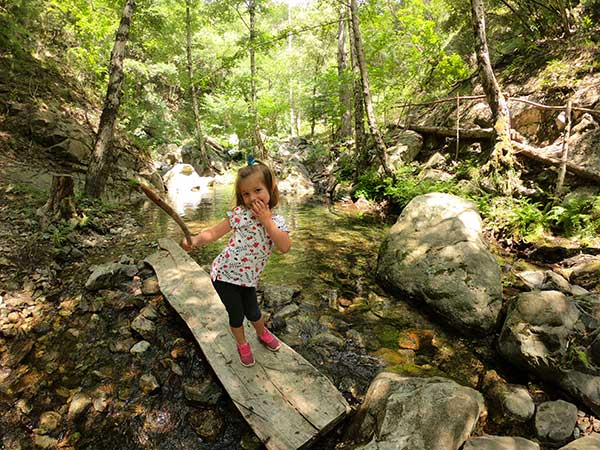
(287, 402)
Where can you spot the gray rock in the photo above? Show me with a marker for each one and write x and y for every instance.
(287, 311)
(140, 347)
(555, 282)
(276, 297)
(508, 402)
(545, 331)
(408, 413)
(435, 254)
(327, 340)
(143, 326)
(405, 149)
(533, 279)
(109, 275)
(590, 442)
(207, 393)
(500, 443)
(555, 421)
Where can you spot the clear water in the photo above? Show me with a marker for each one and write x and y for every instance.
(332, 247)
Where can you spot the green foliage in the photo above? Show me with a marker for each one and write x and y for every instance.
(576, 216)
(558, 74)
(401, 191)
(514, 218)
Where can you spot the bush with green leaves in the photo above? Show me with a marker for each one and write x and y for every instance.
(400, 191)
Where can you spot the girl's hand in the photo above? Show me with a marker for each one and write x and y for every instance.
(186, 246)
(262, 212)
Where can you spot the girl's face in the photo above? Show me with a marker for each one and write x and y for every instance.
(253, 188)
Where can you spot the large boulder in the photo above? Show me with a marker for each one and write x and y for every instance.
(435, 254)
(416, 413)
(554, 336)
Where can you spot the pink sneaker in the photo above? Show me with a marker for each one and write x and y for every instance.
(246, 357)
(269, 341)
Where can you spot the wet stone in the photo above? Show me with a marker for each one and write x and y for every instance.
(140, 347)
(327, 339)
(148, 383)
(143, 326)
(207, 393)
(207, 424)
(79, 405)
(149, 312)
(121, 346)
(287, 311)
(44, 441)
(150, 286)
(48, 422)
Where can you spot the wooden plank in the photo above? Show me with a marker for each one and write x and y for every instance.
(287, 402)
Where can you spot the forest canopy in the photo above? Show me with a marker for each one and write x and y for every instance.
(413, 49)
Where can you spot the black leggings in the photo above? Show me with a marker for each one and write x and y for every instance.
(239, 301)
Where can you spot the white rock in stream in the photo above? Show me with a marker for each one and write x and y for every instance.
(140, 347)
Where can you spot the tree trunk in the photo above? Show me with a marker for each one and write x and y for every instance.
(364, 75)
(102, 157)
(360, 141)
(258, 143)
(501, 159)
(192, 91)
(291, 73)
(61, 201)
(342, 66)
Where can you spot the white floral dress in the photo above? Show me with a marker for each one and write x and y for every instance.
(248, 250)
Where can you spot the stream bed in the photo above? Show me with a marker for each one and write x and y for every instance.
(71, 380)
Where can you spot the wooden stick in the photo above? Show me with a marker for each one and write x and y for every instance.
(169, 210)
(565, 152)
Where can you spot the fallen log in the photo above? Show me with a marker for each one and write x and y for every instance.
(168, 209)
(463, 133)
(215, 145)
(533, 153)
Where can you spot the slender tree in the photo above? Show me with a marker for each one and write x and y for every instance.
(502, 158)
(258, 143)
(102, 157)
(342, 66)
(192, 89)
(366, 90)
(360, 141)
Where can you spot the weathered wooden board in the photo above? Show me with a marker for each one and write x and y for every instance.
(286, 401)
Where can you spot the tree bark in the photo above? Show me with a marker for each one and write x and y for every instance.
(501, 159)
(258, 143)
(61, 201)
(364, 75)
(360, 139)
(101, 159)
(192, 91)
(293, 128)
(342, 66)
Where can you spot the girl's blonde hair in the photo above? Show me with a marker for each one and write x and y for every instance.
(268, 177)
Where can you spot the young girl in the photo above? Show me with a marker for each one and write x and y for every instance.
(236, 269)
